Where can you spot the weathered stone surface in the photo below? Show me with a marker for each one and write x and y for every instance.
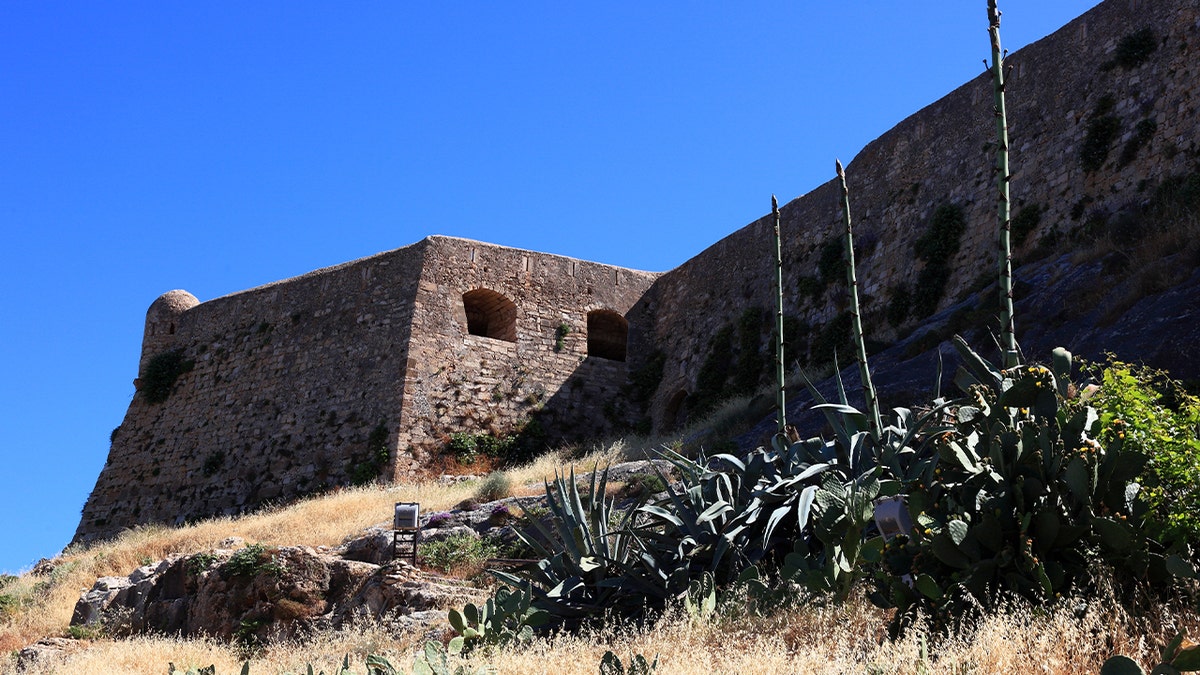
(375, 547)
(268, 597)
(46, 650)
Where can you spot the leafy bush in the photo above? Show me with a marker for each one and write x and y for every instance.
(560, 336)
(378, 456)
(161, 373)
(1025, 222)
(1148, 411)
(899, 305)
(464, 447)
(497, 485)
(937, 247)
(251, 561)
(830, 262)
(457, 551)
(1103, 128)
(1134, 49)
(714, 373)
(644, 485)
(213, 463)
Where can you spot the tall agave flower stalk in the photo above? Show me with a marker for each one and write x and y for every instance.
(1008, 339)
(781, 414)
(864, 371)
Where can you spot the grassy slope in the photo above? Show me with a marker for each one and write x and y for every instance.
(802, 638)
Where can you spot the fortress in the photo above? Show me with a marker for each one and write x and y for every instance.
(366, 369)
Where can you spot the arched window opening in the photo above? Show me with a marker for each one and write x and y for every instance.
(490, 314)
(607, 334)
(676, 414)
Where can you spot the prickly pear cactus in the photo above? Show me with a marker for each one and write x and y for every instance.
(1017, 497)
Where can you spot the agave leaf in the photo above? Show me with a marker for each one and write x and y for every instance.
(979, 368)
(713, 512)
(804, 505)
(661, 513)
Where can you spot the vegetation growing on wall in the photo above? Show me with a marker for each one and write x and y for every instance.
(1102, 130)
(937, 247)
(644, 380)
(1025, 222)
(714, 372)
(528, 440)
(161, 373)
(1142, 133)
(1133, 50)
(365, 470)
(751, 359)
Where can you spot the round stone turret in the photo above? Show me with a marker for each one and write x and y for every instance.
(162, 321)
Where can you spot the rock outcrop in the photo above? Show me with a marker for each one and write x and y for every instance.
(259, 593)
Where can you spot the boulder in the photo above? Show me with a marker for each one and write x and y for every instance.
(263, 594)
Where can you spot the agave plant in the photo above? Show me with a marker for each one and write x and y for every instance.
(592, 561)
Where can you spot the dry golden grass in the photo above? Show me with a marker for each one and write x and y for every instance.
(812, 639)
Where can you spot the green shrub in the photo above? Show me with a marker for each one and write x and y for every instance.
(714, 373)
(1103, 128)
(830, 263)
(644, 380)
(252, 561)
(751, 362)
(560, 336)
(937, 247)
(161, 373)
(497, 485)
(644, 485)
(464, 447)
(213, 463)
(1024, 223)
(459, 550)
(378, 456)
(809, 288)
(899, 305)
(834, 337)
(8, 604)
(1135, 48)
(1159, 417)
(200, 563)
(1142, 133)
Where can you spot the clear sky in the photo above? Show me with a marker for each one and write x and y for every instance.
(217, 146)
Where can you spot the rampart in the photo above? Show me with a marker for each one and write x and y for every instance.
(363, 370)
(367, 368)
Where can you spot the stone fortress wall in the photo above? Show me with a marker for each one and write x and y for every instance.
(1056, 91)
(295, 386)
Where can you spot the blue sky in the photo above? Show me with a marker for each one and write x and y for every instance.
(147, 146)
